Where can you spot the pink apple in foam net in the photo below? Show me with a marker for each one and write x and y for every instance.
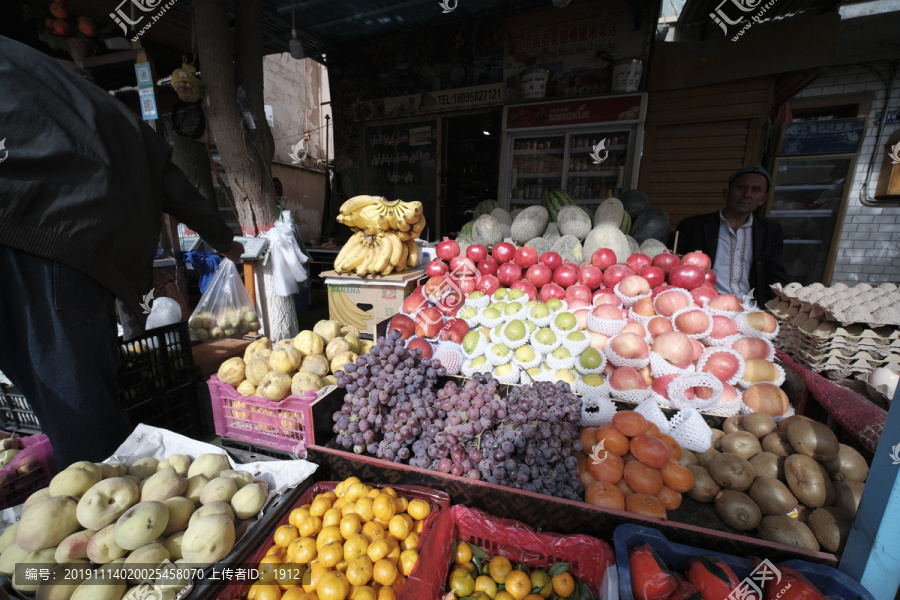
(629, 345)
(598, 340)
(627, 378)
(581, 315)
(661, 385)
(692, 322)
(609, 312)
(551, 259)
(687, 277)
(654, 276)
(729, 394)
(665, 261)
(635, 328)
(575, 303)
(476, 253)
(503, 252)
(509, 273)
(551, 290)
(539, 275)
(603, 258)
(488, 284)
(606, 296)
(488, 266)
(698, 349)
(659, 325)
(697, 259)
(644, 307)
(751, 347)
(526, 257)
(723, 365)
(578, 292)
(525, 286)
(728, 302)
(638, 261)
(615, 274)
(722, 327)
(675, 348)
(634, 285)
(670, 302)
(566, 275)
(660, 289)
(703, 294)
(590, 276)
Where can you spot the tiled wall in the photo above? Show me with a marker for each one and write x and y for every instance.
(869, 249)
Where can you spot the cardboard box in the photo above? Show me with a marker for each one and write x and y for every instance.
(363, 302)
(688, 525)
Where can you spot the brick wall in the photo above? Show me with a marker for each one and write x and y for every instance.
(869, 248)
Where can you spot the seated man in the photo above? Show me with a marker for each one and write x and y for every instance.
(746, 251)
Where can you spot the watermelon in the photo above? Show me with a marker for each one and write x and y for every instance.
(485, 207)
(653, 223)
(635, 202)
(555, 200)
(467, 229)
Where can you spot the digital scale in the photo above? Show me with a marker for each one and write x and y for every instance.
(254, 248)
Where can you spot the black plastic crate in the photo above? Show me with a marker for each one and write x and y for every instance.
(154, 363)
(176, 409)
(16, 415)
(245, 447)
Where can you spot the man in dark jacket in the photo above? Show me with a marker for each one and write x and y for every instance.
(83, 185)
(746, 250)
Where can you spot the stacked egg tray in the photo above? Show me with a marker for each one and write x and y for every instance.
(839, 331)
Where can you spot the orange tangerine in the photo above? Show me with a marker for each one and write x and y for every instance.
(401, 503)
(373, 493)
(399, 527)
(411, 542)
(359, 570)
(362, 592)
(499, 569)
(463, 553)
(378, 549)
(330, 495)
(339, 502)
(374, 531)
(386, 593)
(312, 576)
(398, 583)
(319, 506)
(518, 584)
(356, 491)
(297, 593)
(329, 534)
(394, 554)
(408, 561)
(332, 516)
(285, 534)
(302, 550)
(275, 550)
(331, 554)
(384, 572)
(563, 584)
(356, 545)
(350, 525)
(341, 566)
(391, 492)
(268, 592)
(289, 575)
(383, 507)
(364, 509)
(340, 489)
(484, 584)
(297, 515)
(309, 526)
(333, 586)
(419, 527)
(418, 509)
(504, 595)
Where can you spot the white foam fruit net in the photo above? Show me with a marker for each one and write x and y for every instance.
(660, 366)
(450, 356)
(689, 429)
(725, 342)
(560, 363)
(705, 356)
(514, 343)
(777, 383)
(696, 336)
(495, 359)
(510, 378)
(726, 408)
(479, 347)
(618, 361)
(683, 291)
(541, 322)
(478, 302)
(607, 327)
(746, 410)
(652, 412)
(576, 347)
(535, 362)
(597, 410)
(584, 388)
(628, 301)
(679, 386)
(633, 396)
(644, 321)
(743, 326)
(596, 370)
(544, 348)
(490, 322)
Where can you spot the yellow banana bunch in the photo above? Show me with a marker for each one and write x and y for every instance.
(385, 235)
(371, 214)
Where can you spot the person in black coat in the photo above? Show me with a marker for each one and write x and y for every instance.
(747, 250)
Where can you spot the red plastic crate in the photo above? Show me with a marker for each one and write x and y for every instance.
(29, 471)
(285, 426)
(435, 546)
(589, 557)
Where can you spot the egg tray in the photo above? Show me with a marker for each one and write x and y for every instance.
(809, 299)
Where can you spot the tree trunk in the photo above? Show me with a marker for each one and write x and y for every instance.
(246, 153)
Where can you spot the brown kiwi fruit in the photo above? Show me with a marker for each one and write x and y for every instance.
(848, 465)
(733, 423)
(806, 480)
(705, 487)
(785, 530)
(803, 513)
(778, 444)
(732, 472)
(784, 424)
(828, 484)
(768, 464)
(703, 458)
(742, 443)
(759, 424)
(772, 496)
(717, 435)
(847, 495)
(815, 440)
(738, 510)
(687, 458)
(831, 526)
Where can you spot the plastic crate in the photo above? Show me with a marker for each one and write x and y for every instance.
(283, 426)
(175, 409)
(154, 363)
(30, 470)
(829, 581)
(16, 415)
(591, 559)
(424, 582)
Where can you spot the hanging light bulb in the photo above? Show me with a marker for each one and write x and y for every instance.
(295, 45)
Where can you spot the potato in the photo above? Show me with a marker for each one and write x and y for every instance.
(213, 508)
(112, 589)
(162, 485)
(732, 472)
(220, 489)
(105, 502)
(141, 524)
(107, 470)
(47, 523)
(249, 500)
(209, 464)
(180, 511)
(75, 480)
(208, 540)
(74, 546)
(102, 548)
(179, 462)
(144, 467)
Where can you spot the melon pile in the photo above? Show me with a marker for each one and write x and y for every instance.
(635, 329)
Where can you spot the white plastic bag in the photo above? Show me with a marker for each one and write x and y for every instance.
(225, 309)
(165, 311)
(287, 260)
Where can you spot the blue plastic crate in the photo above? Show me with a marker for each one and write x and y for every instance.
(831, 582)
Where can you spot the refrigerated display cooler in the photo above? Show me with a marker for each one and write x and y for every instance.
(589, 147)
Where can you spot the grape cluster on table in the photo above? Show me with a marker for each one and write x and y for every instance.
(393, 410)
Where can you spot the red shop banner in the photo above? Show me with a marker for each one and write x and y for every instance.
(574, 112)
